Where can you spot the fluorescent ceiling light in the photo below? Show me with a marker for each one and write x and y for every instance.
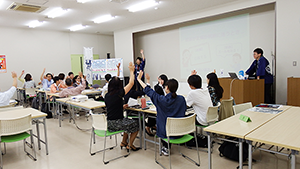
(82, 1)
(57, 12)
(77, 27)
(104, 18)
(142, 6)
(35, 23)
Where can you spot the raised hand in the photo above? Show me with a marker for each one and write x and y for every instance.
(140, 75)
(194, 72)
(118, 65)
(13, 74)
(131, 67)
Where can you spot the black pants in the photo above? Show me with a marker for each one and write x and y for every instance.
(268, 93)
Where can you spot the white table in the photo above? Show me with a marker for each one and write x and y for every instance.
(35, 115)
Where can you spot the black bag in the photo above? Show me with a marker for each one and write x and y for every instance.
(201, 140)
(35, 103)
(231, 150)
(45, 109)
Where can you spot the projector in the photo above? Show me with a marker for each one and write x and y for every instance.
(79, 98)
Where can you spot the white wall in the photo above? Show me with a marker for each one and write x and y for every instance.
(161, 46)
(287, 44)
(33, 49)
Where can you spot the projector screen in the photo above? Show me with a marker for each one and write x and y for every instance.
(221, 45)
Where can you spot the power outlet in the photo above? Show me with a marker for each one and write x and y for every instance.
(294, 63)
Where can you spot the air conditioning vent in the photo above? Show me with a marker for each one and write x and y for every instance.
(118, 1)
(26, 7)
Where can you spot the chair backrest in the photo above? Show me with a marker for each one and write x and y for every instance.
(241, 107)
(99, 121)
(212, 114)
(17, 125)
(226, 109)
(180, 126)
(30, 91)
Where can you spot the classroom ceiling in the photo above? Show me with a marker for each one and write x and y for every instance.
(84, 13)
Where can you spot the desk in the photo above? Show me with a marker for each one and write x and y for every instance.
(234, 127)
(287, 124)
(35, 116)
(89, 105)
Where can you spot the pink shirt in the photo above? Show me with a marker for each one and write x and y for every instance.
(72, 91)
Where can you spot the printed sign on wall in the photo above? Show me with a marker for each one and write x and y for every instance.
(3, 64)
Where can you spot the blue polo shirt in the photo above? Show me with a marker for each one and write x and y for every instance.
(166, 106)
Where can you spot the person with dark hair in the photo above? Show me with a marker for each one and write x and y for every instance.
(160, 86)
(107, 79)
(48, 81)
(71, 90)
(160, 89)
(62, 80)
(260, 69)
(171, 105)
(140, 65)
(27, 81)
(114, 105)
(55, 87)
(214, 88)
(76, 81)
(7, 95)
(198, 98)
(70, 75)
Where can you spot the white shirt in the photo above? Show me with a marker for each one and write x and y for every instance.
(200, 100)
(5, 96)
(104, 90)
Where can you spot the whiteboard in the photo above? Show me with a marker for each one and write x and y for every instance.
(101, 67)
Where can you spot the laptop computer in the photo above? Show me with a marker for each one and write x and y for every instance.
(233, 75)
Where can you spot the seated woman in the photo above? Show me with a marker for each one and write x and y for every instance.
(55, 87)
(76, 81)
(160, 89)
(214, 88)
(114, 105)
(170, 105)
(27, 81)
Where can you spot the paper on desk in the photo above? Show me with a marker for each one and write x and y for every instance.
(153, 109)
(132, 102)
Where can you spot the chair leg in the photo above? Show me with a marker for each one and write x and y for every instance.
(31, 145)
(1, 162)
(159, 139)
(106, 162)
(92, 139)
(198, 164)
(169, 152)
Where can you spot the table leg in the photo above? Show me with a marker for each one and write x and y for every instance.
(140, 132)
(144, 133)
(45, 131)
(240, 153)
(293, 159)
(38, 133)
(60, 114)
(249, 154)
(209, 150)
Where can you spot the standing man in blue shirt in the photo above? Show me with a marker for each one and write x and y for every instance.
(260, 68)
(140, 65)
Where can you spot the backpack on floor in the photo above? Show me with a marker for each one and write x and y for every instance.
(45, 109)
(230, 150)
(201, 140)
(35, 103)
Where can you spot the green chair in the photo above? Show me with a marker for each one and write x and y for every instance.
(179, 127)
(16, 129)
(99, 128)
